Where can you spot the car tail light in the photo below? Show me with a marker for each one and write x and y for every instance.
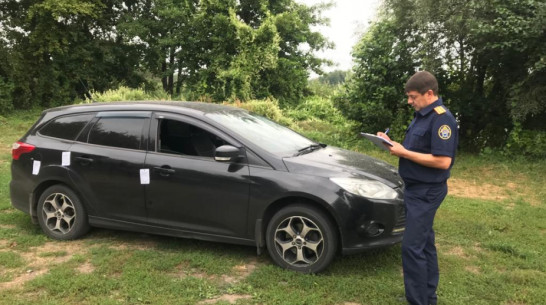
(19, 148)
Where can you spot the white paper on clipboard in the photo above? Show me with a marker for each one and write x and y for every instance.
(378, 141)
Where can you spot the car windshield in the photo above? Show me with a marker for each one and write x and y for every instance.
(268, 135)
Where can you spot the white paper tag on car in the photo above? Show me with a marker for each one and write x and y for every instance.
(66, 158)
(145, 176)
(36, 167)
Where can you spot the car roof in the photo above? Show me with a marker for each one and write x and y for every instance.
(195, 108)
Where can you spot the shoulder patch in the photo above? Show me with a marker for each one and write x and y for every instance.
(440, 109)
(444, 132)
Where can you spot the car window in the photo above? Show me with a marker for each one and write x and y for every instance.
(263, 132)
(118, 132)
(177, 137)
(66, 127)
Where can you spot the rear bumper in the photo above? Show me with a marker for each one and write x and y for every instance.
(19, 197)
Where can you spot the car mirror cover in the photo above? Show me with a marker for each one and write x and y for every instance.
(226, 153)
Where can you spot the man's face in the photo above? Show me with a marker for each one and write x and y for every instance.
(419, 101)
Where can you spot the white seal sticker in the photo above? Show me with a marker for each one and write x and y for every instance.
(36, 167)
(145, 176)
(66, 158)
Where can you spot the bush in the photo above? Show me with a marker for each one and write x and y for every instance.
(129, 94)
(268, 108)
(523, 142)
(317, 108)
(6, 103)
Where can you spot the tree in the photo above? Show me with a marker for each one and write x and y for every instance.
(60, 49)
(371, 95)
(487, 55)
(57, 50)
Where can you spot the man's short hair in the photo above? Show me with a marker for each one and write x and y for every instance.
(421, 82)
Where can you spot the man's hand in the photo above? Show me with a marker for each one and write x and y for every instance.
(397, 149)
(384, 136)
(442, 162)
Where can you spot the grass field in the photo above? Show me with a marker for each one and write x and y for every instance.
(490, 234)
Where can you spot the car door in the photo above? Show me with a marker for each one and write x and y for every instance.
(106, 163)
(188, 189)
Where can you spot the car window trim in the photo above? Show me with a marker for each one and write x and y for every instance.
(124, 114)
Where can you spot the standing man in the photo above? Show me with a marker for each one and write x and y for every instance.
(426, 156)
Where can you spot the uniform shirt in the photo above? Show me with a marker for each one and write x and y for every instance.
(432, 131)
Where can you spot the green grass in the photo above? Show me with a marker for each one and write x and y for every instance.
(490, 241)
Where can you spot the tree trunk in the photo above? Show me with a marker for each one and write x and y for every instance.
(163, 76)
(171, 74)
(179, 78)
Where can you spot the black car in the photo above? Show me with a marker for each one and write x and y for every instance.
(204, 171)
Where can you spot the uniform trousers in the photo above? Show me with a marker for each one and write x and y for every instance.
(419, 259)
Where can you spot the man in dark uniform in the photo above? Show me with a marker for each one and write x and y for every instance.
(426, 156)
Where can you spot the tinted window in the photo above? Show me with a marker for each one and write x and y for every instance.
(118, 132)
(67, 127)
(176, 137)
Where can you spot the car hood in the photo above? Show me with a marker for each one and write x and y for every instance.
(336, 162)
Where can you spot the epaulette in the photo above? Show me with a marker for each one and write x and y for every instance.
(440, 109)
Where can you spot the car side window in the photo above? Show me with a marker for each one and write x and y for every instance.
(118, 132)
(177, 137)
(66, 127)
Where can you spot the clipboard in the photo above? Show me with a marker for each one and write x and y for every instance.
(378, 141)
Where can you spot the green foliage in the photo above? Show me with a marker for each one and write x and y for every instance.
(129, 94)
(327, 85)
(317, 108)
(372, 94)
(298, 42)
(6, 89)
(334, 78)
(268, 108)
(488, 57)
(526, 142)
(323, 90)
(213, 50)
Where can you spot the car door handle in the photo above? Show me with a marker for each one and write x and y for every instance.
(84, 160)
(164, 171)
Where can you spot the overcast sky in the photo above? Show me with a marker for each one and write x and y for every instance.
(348, 18)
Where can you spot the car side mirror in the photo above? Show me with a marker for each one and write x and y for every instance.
(226, 153)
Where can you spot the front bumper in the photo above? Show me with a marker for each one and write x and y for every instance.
(370, 223)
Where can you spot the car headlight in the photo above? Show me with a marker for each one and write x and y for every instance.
(366, 188)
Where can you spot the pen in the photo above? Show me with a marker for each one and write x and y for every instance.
(387, 130)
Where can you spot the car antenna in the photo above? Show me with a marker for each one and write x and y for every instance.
(87, 91)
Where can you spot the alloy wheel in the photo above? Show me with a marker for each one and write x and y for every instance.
(58, 213)
(299, 241)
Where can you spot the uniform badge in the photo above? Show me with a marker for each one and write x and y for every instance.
(444, 132)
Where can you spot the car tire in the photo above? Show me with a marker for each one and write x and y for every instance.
(61, 214)
(302, 238)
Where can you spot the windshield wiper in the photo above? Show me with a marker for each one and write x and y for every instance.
(309, 149)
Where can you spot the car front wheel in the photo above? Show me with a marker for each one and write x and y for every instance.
(301, 238)
(61, 214)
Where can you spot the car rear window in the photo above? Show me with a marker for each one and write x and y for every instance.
(66, 127)
(118, 132)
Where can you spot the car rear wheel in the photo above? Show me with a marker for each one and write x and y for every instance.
(61, 214)
(301, 238)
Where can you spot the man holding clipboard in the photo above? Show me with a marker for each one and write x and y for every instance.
(426, 157)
